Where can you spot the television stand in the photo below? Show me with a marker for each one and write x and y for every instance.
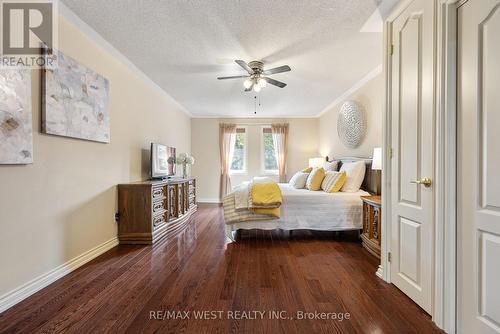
(149, 210)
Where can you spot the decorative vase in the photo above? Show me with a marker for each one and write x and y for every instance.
(184, 170)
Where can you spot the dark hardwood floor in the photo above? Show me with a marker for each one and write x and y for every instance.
(125, 289)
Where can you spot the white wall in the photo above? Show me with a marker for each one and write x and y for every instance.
(370, 96)
(64, 203)
(303, 144)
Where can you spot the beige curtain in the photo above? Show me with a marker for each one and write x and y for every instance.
(280, 140)
(227, 139)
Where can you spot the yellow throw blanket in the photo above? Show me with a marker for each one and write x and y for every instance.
(266, 199)
(276, 212)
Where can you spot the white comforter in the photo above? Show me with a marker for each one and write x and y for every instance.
(314, 210)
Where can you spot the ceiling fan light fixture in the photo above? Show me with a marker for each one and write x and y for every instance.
(262, 82)
(247, 83)
(257, 78)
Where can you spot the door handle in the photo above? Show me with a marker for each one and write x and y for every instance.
(425, 181)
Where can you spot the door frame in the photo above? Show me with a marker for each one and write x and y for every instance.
(445, 165)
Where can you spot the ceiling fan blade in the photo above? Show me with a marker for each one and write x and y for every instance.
(234, 77)
(276, 83)
(281, 69)
(245, 66)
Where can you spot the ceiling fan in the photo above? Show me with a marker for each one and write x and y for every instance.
(258, 78)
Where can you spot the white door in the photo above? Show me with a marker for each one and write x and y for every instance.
(413, 152)
(478, 257)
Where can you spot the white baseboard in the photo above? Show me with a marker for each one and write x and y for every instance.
(380, 272)
(209, 200)
(24, 291)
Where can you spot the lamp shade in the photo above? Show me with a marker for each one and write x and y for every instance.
(316, 162)
(377, 158)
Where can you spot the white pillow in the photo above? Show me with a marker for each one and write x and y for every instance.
(355, 175)
(298, 181)
(331, 166)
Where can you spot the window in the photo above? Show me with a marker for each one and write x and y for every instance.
(239, 163)
(269, 163)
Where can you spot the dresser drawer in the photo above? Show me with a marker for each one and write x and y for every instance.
(159, 220)
(157, 207)
(158, 192)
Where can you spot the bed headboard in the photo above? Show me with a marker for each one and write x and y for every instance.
(372, 180)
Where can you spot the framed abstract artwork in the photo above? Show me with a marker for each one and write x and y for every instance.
(75, 101)
(16, 125)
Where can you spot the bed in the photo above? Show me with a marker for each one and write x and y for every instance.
(315, 210)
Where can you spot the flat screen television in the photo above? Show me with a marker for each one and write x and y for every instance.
(162, 161)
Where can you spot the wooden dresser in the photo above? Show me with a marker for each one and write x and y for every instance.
(149, 210)
(372, 218)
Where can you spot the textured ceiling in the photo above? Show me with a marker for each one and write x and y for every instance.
(184, 45)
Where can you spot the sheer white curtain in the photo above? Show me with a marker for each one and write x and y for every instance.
(280, 141)
(227, 139)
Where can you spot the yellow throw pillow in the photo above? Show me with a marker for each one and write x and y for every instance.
(315, 179)
(307, 170)
(333, 181)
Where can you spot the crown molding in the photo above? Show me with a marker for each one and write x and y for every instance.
(72, 18)
(371, 75)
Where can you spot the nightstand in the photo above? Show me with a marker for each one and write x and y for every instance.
(372, 218)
